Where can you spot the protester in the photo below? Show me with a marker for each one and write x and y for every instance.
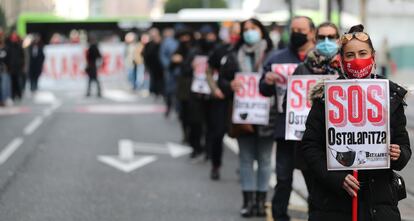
(180, 63)
(16, 65)
(130, 64)
(197, 108)
(301, 41)
(93, 56)
(168, 47)
(4, 76)
(36, 59)
(142, 76)
(248, 56)
(332, 191)
(152, 62)
(217, 108)
(322, 60)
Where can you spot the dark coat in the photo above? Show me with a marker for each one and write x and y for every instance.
(377, 200)
(282, 56)
(16, 59)
(92, 55)
(229, 67)
(36, 60)
(184, 71)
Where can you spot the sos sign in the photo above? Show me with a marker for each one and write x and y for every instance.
(357, 103)
(250, 84)
(298, 104)
(249, 106)
(357, 119)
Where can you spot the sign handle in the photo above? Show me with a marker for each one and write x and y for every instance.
(355, 200)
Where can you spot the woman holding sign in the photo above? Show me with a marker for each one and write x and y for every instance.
(247, 57)
(333, 190)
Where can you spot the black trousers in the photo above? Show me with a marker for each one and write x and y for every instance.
(197, 111)
(93, 78)
(16, 85)
(34, 79)
(216, 128)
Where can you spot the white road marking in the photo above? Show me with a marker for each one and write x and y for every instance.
(29, 129)
(44, 97)
(10, 149)
(127, 166)
(178, 150)
(119, 96)
(231, 144)
(55, 105)
(173, 149)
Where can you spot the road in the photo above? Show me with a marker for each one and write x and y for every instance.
(51, 167)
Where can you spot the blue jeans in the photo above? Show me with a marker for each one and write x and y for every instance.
(255, 148)
(5, 86)
(284, 172)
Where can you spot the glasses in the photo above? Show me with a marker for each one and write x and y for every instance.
(330, 37)
(362, 36)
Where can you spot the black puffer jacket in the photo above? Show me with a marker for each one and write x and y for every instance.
(377, 198)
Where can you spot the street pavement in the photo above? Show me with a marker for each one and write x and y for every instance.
(67, 157)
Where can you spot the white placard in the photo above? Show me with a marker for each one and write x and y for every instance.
(282, 71)
(298, 104)
(249, 106)
(357, 124)
(200, 84)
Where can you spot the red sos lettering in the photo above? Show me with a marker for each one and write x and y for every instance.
(283, 71)
(249, 88)
(297, 101)
(356, 111)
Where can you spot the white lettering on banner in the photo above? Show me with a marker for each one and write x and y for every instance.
(357, 124)
(249, 106)
(68, 61)
(298, 104)
(282, 71)
(199, 84)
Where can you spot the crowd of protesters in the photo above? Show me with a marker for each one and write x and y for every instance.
(21, 60)
(205, 118)
(172, 59)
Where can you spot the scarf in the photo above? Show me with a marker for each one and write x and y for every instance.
(244, 60)
(320, 64)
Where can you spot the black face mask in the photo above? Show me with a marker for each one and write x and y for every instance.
(206, 46)
(345, 158)
(297, 40)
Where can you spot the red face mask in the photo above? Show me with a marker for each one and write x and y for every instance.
(234, 39)
(14, 37)
(358, 68)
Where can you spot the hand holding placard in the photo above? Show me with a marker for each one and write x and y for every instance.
(236, 84)
(351, 185)
(270, 78)
(395, 151)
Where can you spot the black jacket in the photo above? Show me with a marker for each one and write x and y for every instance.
(377, 200)
(16, 59)
(36, 60)
(282, 56)
(92, 56)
